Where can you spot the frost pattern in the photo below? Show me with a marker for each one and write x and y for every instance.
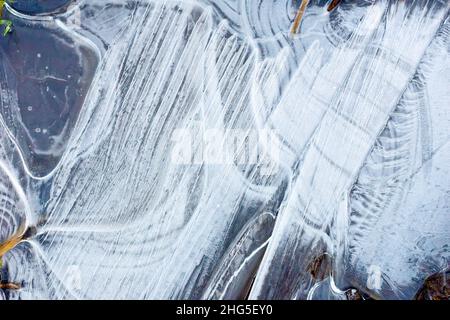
(358, 171)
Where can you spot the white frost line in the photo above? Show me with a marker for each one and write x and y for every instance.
(40, 253)
(334, 288)
(25, 16)
(19, 152)
(87, 41)
(18, 189)
(234, 275)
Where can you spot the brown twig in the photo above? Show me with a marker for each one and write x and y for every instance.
(9, 286)
(21, 234)
(299, 16)
(333, 5)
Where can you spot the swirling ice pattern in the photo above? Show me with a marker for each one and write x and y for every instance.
(356, 103)
(12, 206)
(401, 190)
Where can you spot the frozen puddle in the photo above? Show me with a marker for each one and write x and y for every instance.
(199, 149)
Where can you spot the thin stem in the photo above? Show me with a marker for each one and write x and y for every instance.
(333, 5)
(299, 16)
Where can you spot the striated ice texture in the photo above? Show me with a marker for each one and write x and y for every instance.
(158, 149)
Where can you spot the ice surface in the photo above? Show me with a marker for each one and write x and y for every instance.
(45, 72)
(198, 149)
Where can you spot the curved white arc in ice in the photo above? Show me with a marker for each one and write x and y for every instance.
(25, 16)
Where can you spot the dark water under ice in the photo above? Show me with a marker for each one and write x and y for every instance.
(33, 7)
(45, 74)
